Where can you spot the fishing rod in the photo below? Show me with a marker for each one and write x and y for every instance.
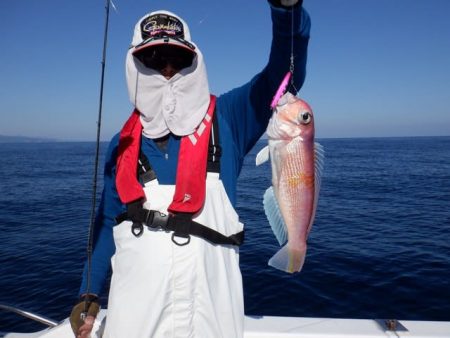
(97, 151)
(38, 318)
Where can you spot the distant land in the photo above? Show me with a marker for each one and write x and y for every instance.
(24, 139)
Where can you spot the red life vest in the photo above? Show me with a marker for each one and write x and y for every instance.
(191, 171)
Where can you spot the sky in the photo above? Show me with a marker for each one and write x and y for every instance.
(376, 68)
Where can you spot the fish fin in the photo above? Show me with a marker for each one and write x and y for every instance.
(288, 260)
(274, 216)
(319, 159)
(262, 156)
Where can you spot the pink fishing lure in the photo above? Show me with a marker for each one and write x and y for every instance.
(281, 90)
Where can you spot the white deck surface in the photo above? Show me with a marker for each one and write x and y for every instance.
(290, 327)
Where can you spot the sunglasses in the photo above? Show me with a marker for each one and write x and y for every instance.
(160, 57)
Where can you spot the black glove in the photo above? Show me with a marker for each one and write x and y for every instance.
(286, 3)
(81, 310)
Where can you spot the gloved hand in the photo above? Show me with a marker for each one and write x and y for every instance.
(83, 315)
(286, 3)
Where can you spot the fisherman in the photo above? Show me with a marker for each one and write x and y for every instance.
(166, 222)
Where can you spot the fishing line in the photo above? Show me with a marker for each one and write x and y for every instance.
(288, 79)
(97, 151)
(292, 66)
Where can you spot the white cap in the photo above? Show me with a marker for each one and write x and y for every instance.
(161, 28)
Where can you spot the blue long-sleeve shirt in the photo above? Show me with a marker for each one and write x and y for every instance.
(243, 114)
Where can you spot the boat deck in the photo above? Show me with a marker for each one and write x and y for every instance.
(290, 327)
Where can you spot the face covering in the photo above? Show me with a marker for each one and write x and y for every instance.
(177, 105)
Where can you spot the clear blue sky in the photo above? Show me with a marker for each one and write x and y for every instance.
(375, 68)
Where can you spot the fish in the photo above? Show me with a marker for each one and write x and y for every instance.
(297, 163)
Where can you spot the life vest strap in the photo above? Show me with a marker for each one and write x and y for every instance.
(214, 148)
(181, 224)
(145, 170)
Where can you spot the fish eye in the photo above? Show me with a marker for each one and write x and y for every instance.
(305, 117)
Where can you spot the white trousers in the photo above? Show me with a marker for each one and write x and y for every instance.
(159, 289)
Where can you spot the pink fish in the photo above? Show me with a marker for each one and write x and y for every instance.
(297, 161)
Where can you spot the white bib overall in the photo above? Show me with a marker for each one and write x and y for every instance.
(160, 289)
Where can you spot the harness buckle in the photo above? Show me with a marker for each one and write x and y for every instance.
(156, 219)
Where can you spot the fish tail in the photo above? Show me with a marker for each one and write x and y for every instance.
(288, 260)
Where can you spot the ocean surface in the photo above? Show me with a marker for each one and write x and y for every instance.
(379, 248)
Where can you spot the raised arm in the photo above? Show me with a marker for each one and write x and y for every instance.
(246, 109)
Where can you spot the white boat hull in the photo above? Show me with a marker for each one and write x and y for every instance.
(291, 327)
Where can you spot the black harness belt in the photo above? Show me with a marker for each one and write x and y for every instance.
(181, 224)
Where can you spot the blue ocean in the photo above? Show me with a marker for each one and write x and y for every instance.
(379, 248)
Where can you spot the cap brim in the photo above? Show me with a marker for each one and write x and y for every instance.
(164, 41)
